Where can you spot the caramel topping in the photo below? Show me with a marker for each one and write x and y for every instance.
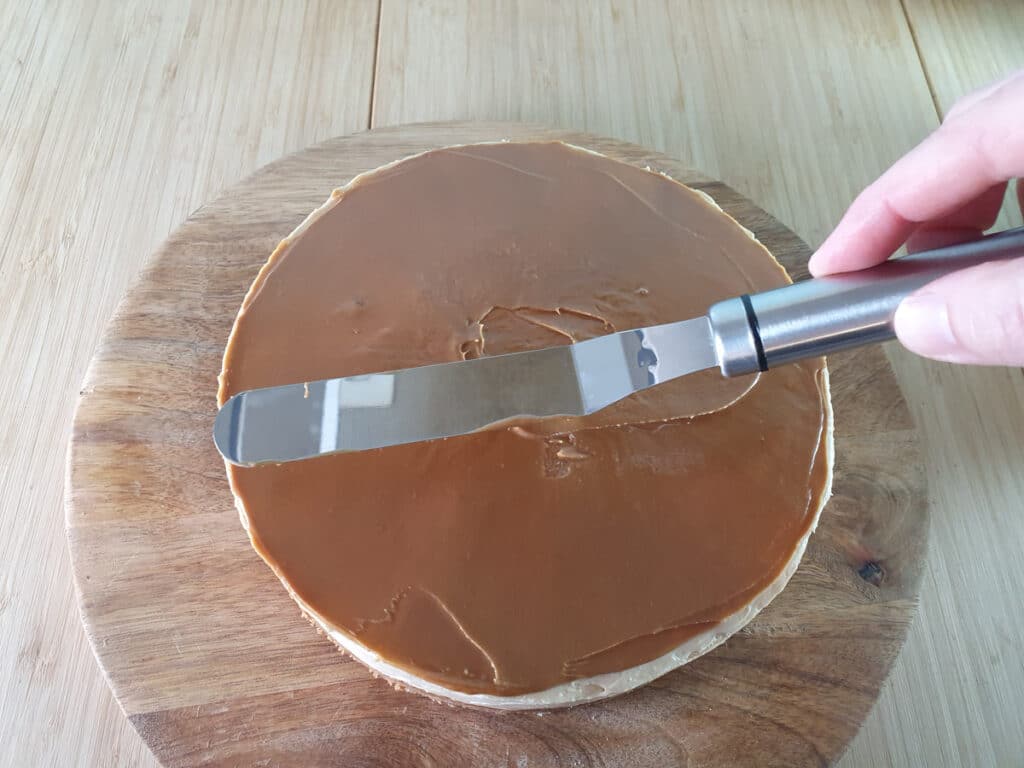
(511, 560)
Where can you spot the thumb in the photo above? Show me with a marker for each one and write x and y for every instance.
(974, 316)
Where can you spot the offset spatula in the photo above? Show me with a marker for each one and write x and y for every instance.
(739, 336)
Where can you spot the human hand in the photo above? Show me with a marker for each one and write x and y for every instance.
(948, 189)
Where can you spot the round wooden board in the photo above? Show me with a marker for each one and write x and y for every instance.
(209, 657)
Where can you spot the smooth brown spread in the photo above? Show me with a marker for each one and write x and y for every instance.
(512, 560)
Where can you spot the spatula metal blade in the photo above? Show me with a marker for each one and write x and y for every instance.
(354, 413)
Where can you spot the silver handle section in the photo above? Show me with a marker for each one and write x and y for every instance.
(829, 314)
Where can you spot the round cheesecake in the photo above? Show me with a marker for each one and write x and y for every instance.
(548, 562)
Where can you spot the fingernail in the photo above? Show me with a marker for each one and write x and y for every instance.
(816, 264)
(922, 324)
(812, 263)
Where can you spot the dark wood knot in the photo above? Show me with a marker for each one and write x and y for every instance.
(872, 572)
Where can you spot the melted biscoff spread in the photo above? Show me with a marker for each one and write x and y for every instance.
(514, 559)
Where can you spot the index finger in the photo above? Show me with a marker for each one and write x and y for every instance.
(977, 148)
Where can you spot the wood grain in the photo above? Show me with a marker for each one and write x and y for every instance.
(117, 120)
(208, 656)
(798, 107)
(971, 422)
(965, 46)
(136, 113)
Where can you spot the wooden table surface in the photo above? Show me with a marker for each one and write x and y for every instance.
(118, 119)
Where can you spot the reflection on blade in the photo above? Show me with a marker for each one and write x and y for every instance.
(329, 416)
(615, 366)
(370, 391)
(303, 420)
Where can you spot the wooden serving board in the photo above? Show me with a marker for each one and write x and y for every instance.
(209, 657)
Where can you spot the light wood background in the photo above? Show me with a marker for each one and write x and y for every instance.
(117, 120)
